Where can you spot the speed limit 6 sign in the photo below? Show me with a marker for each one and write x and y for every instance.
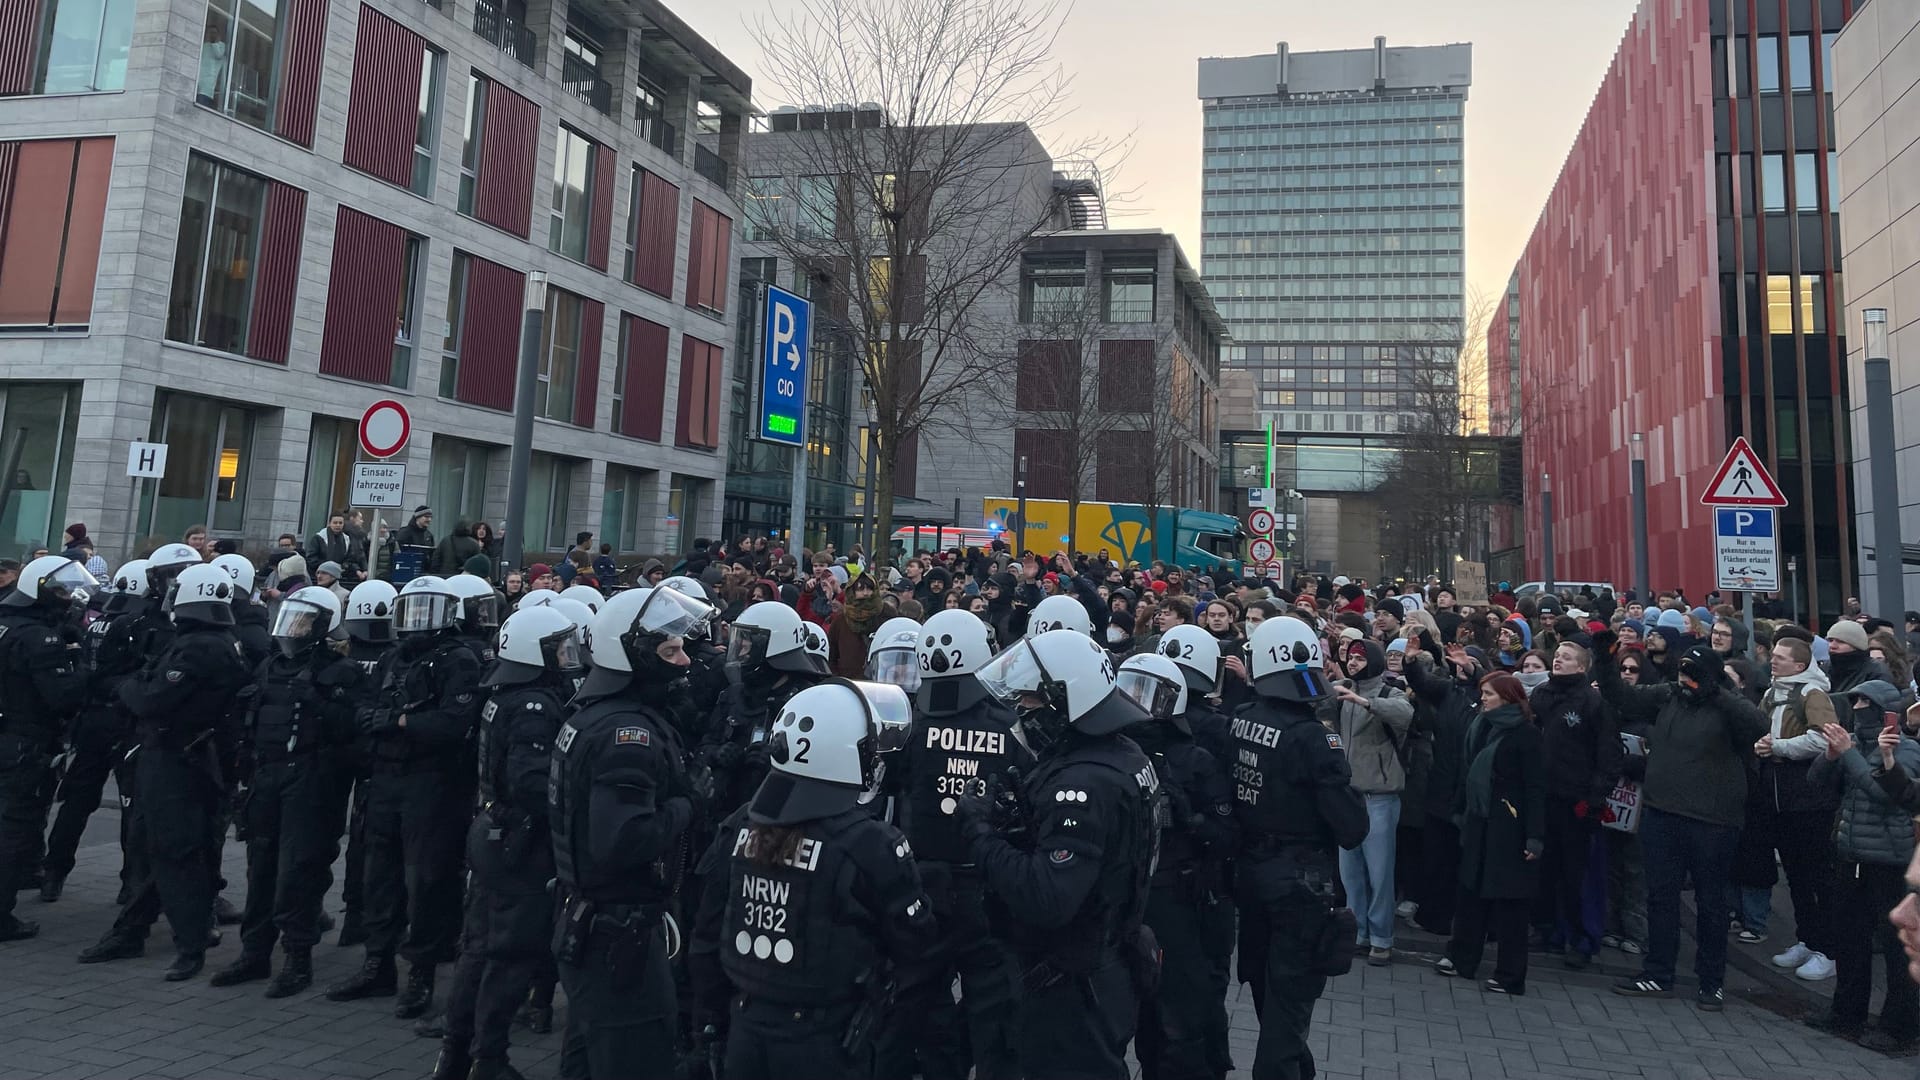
(1260, 522)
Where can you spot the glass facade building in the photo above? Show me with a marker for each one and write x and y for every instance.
(1332, 228)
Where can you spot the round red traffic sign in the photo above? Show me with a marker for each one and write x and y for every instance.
(1260, 522)
(1261, 550)
(385, 428)
(1273, 570)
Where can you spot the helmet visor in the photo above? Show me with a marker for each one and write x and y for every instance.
(892, 716)
(562, 650)
(895, 667)
(300, 621)
(417, 612)
(483, 612)
(1014, 672)
(673, 614)
(69, 582)
(1149, 691)
(748, 645)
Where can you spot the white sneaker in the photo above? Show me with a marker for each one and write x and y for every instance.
(1793, 957)
(1407, 909)
(1816, 968)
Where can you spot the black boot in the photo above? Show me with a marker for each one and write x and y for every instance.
(493, 1069)
(453, 1063)
(248, 968)
(55, 885)
(296, 974)
(116, 945)
(17, 929)
(376, 978)
(186, 966)
(419, 993)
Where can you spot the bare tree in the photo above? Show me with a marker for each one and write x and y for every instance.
(916, 204)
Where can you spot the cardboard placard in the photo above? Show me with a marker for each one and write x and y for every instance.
(1623, 806)
(1470, 583)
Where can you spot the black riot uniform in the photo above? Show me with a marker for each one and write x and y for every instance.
(297, 738)
(183, 708)
(42, 685)
(508, 927)
(425, 703)
(366, 652)
(1213, 732)
(253, 629)
(1186, 907)
(734, 746)
(618, 805)
(962, 741)
(1295, 806)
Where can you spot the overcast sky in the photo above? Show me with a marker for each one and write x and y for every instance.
(1536, 66)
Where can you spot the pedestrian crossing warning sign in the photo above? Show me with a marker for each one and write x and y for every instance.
(1742, 480)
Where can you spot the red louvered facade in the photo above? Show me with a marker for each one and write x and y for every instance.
(382, 108)
(709, 258)
(303, 46)
(19, 33)
(653, 232)
(53, 202)
(600, 220)
(697, 421)
(490, 334)
(643, 379)
(363, 289)
(509, 143)
(586, 394)
(282, 229)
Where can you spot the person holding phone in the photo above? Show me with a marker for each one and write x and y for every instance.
(1790, 814)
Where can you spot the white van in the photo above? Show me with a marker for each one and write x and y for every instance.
(1574, 588)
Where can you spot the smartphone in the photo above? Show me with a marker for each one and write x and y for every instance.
(1893, 720)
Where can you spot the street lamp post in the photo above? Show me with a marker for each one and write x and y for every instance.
(1889, 571)
(1020, 514)
(1637, 479)
(1546, 531)
(520, 458)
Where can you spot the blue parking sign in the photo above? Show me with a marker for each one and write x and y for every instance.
(1746, 548)
(783, 368)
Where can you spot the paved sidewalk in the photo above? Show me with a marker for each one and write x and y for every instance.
(62, 1019)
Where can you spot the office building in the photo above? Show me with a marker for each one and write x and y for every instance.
(229, 226)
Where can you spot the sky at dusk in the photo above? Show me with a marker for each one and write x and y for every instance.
(1134, 64)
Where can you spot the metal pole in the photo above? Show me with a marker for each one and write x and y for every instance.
(1642, 577)
(869, 520)
(1793, 581)
(1889, 573)
(1546, 529)
(520, 459)
(1020, 491)
(797, 502)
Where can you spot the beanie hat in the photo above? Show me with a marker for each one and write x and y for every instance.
(539, 570)
(1397, 645)
(78, 530)
(293, 566)
(477, 565)
(1848, 632)
(1673, 620)
(1638, 626)
(1392, 607)
(1158, 586)
(328, 567)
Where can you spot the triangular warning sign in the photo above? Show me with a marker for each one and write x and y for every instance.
(1742, 480)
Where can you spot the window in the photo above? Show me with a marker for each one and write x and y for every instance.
(1800, 61)
(885, 201)
(1806, 181)
(1773, 183)
(580, 69)
(457, 479)
(1047, 375)
(650, 109)
(709, 259)
(686, 499)
(628, 501)
(470, 147)
(480, 348)
(393, 66)
(818, 197)
(553, 394)
(764, 207)
(1768, 69)
(85, 47)
(549, 491)
(1780, 305)
(50, 232)
(41, 420)
(209, 456)
(260, 63)
(573, 169)
(407, 318)
(1129, 291)
(427, 125)
(640, 379)
(880, 287)
(216, 256)
(653, 231)
(332, 448)
(450, 343)
(1052, 290)
(498, 157)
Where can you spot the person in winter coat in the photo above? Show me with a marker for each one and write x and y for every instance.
(852, 627)
(1372, 721)
(1515, 639)
(1583, 759)
(1873, 843)
(1446, 700)
(1849, 664)
(451, 556)
(1789, 814)
(1503, 823)
(418, 531)
(1008, 619)
(1694, 804)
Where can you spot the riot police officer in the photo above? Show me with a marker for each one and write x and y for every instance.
(44, 683)
(1177, 1027)
(509, 914)
(706, 680)
(963, 740)
(297, 739)
(1073, 889)
(812, 906)
(618, 804)
(1197, 654)
(768, 661)
(251, 624)
(368, 621)
(425, 704)
(1295, 804)
(479, 613)
(182, 704)
(1059, 612)
(112, 647)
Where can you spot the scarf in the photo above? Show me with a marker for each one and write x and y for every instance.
(1787, 724)
(863, 613)
(1483, 740)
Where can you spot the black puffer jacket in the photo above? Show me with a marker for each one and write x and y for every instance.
(1582, 743)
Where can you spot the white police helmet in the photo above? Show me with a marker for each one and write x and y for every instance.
(52, 580)
(586, 594)
(240, 569)
(305, 618)
(1071, 672)
(603, 634)
(819, 652)
(1285, 660)
(202, 593)
(1157, 685)
(131, 579)
(425, 605)
(170, 559)
(772, 633)
(1198, 654)
(479, 604)
(954, 642)
(825, 749)
(531, 641)
(369, 613)
(893, 655)
(1059, 612)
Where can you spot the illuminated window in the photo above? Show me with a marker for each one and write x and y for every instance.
(1780, 305)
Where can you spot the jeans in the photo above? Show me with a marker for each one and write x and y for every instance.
(1367, 872)
(1675, 847)
(1756, 907)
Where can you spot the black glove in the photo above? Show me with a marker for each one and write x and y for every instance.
(1606, 643)
(725, 756)
(755, 755)
(975, 811)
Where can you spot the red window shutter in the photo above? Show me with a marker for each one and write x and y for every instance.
(698, 415)
(656, 235)
(277, 274)
(1045, 451)
(490, 334)
(1125, 466)
(586, 394)
(363, 289)
(721, 261)
(509, 143)
(600, 222)
(644, 403)
(19, 37)
(715, 369)
(382, 107)
(697, 257)
(86, 216)
(303, 51)
(38, 180)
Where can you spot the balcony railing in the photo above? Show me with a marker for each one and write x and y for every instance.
(503, 31)
(655, 129)
(583, 81)
(710, 165)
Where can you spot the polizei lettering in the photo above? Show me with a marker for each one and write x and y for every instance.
(1254, 732)
(807, 857)
(962, 741)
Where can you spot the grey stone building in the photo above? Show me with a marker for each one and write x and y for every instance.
(230, 226)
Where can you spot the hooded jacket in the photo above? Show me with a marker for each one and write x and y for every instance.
(1009, 621)
(414, 533)
(1374, 732)
(1582, 744)
(1698, 740)
(1847, 671)
(1874, 827)
(1447, 706)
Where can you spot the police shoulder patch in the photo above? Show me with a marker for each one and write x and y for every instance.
(463, 698)
(1333, 741)
(635, 736)
(1060, 857)
(564, 741)
(491, 708)
(175, 675)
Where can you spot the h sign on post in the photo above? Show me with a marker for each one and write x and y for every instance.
(783, 368)
(147, 460)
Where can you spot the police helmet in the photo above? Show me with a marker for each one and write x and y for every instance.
(204, 594)
(536, 598)
(52, 581)
(692, 589)
(305, 619)
(954, 642)
(893, 657)
(773, 634)
(1198, 654)
(603, 633)
(166, 563)
(241, 570)
(578, 614)
(825, 750)
(479, 604)
(425, 605)
(127, 585)
(588, 595)
(1071, 673)
(666, 613)
(531, 643)
(1059, 612)
(1157, 685)
(1285, 659)
(369, 614)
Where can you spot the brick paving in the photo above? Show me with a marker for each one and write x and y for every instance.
(62, 1019)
